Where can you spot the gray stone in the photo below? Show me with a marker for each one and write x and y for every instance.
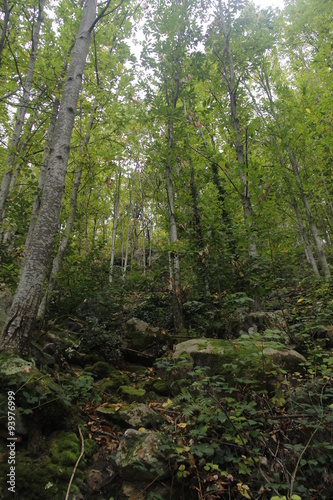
(136, 415)
(138, 457)
(257, 321)
(222, 355)
(140, 335)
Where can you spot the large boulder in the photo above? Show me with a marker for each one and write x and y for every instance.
(138, 457)
(227, 357)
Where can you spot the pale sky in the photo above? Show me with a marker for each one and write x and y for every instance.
(269, 3)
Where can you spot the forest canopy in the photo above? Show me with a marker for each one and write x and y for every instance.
(204, 165)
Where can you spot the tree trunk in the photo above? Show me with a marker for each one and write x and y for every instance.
(232, 84)
(114, 229)
(313, 227)
(59, 257)
(12, 149)
(45, 159)
(128, 228)
(16, 333)
(4, 27)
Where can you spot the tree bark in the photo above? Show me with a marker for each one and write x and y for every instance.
(45, 158)
(114, 229)
(59, 257)
(175, 265)
(4, 27)
(12, 149)
(16, 333)
(232, 84)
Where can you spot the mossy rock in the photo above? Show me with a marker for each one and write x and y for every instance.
(101, 369)
(135, 415)
(15, 371)
(47, 477)
(110, 384)
(139, 457)
(161, 387)
(132, 393)
(239, 358)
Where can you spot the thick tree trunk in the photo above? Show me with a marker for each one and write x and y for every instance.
(59, 257)
(12, 149)
(45, 159)
(17, 330)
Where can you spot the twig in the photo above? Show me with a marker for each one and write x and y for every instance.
(76, 465)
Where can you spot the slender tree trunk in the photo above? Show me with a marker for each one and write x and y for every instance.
(16, 333)
(313, 227)
(295, 168)
(129, 208)
(143, 227)
(232, 85)
(4, 27)
(114, 229)
(18, 127)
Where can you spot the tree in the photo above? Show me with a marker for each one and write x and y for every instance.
(17, 330)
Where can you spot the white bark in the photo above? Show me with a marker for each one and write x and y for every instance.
(129, 208)
(114, 229)
(18, 127)
(17, 330)
(45, 159)
(59, 257)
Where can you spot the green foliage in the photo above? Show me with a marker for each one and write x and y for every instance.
(226, 435)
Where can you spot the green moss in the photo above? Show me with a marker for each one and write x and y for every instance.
(132, 393)
(161, 387)
(101, 369)
(90, 448)
(114, 381)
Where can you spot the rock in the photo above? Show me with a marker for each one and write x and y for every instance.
(135, 415)
(288, 359)
(138, 457)
(6, 298)
(140, 335)
(224, 356)
(258, 321)
(94, 479)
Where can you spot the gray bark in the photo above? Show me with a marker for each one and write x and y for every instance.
(175, 265)
(59, 257)
(114, 229)
(18, 127)
(128, 227)
(45, 159)
(4, 27)
(16, 333)
(232, 84)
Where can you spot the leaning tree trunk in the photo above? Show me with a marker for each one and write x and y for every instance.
(59, 257)
(46, 154)
(12, 149)
(16, 333)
